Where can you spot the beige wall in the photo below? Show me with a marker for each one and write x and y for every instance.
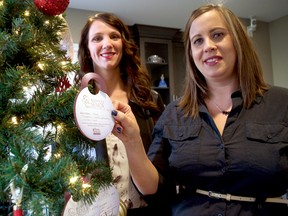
(261, 41)
(272, 57)
(279, 47)
(76, 20)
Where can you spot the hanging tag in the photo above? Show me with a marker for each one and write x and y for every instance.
(106, 203)
(92, 112)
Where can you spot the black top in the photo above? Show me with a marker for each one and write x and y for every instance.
(249, 159)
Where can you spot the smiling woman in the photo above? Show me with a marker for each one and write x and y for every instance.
(206, 161)
(106, 49)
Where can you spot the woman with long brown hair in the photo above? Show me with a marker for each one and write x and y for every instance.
(222, 148)
(106, 48)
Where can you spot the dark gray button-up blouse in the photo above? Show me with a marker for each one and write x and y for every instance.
(249, 159)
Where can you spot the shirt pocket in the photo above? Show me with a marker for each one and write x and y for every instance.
(266, 148)
(184, 143)
(267, 132)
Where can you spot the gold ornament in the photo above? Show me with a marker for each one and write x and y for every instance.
(122, 209)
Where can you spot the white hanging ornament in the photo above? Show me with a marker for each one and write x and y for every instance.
(106, 203)
(67, 42)
(93, 112)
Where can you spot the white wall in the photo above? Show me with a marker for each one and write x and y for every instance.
(279, 47)
(76, 20)
(261, 40)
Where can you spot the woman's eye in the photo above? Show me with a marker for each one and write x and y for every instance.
(218, 35)
(197, 41)
(97, 38)
(115, 36)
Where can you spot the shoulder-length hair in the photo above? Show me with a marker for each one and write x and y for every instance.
(248, 67)
(133, 74)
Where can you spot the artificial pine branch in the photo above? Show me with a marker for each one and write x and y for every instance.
(38, 134)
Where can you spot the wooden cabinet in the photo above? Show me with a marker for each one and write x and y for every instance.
(157, 42)
(179, 64)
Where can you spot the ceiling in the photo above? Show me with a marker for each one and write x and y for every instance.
(174, 13)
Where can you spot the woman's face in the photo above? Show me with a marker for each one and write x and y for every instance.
(105, 46)
(212, 47)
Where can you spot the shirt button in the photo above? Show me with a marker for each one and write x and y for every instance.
(180, 133)
(219, 214)
(223, 170)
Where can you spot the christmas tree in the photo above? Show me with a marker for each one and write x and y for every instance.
(42, 153)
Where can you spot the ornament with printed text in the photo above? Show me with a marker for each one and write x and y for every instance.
(52, 7)
(107, 203)
(92, 112)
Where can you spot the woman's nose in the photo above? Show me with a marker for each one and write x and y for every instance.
(209, 46)
(106, 43)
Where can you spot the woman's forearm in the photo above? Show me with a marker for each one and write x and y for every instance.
(143, 172)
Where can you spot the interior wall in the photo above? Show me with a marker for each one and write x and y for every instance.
(261, 40)
(76, 20)
(279, 47)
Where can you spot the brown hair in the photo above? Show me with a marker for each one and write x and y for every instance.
(133, 74)
(248, 66)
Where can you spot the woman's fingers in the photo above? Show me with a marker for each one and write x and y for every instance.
(125, 122)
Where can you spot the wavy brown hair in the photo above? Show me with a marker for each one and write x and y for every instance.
(133, 74)
(248, 67)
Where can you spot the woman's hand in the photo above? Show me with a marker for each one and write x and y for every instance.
(144, 174)
(126, 127)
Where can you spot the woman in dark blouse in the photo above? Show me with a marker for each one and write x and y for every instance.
(222, 149)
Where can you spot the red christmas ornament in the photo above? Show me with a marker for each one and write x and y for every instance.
(64, 84)
(17, 211)
(52, 7)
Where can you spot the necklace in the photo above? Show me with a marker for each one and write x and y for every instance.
(224, 112)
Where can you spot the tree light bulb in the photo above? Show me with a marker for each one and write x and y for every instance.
(64, 64)
(57, 155)
(26, 13)
(73, 179)
(41, 66)
(86, 185)
(59, 127)
(14, 120)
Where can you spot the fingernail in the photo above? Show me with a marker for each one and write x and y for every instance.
(114, 112)
(119, 129)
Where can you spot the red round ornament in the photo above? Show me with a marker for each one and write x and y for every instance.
(52, 7)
